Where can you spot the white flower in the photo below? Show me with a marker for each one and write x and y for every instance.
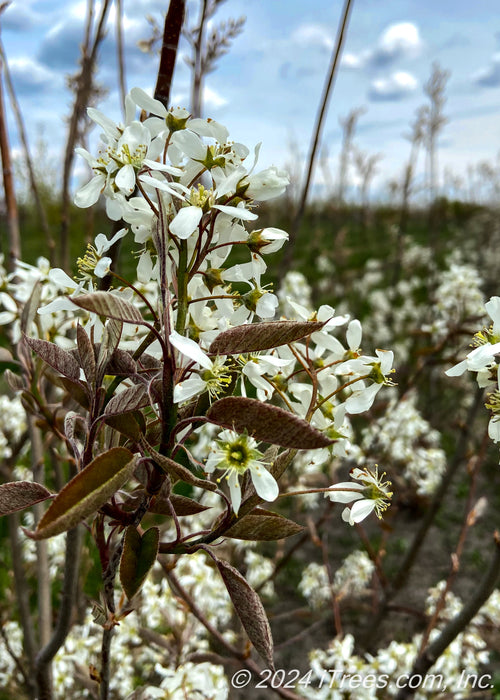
(363, 396)
(94, 262)
(237, 454)
(371, 494)
(213, 378)
(266, 185)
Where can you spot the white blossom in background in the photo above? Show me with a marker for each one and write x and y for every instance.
(403, 439)
(315, 586)
(331, 668)
(354, 576)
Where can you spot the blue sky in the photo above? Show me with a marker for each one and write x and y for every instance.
(268, 86)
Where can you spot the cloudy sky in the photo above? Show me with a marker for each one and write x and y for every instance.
(268, 86)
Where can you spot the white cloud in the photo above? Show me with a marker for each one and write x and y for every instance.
(29, 75)
(398, 41)
(395, 87)
(212, 99)
(312, 35)
(490, 75)
(351, 60)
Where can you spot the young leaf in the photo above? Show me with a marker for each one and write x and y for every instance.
(263, 525)
(132, 425)
(262, 336)
(31, 307)
(64, 362)
(18, 495)
(109, 305)
(86, 492)
(110, 338)
(178, 472)
(266, 423)
(86, 353)
(138, 556)
(128, 400)
(249, 609)
(182, 505)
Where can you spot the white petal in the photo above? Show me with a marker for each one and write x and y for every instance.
(149, 104)
(186, 222)
(105, 122)
(125, 179)
(102, 267)
(353, 334)
(361, 509)
(494, 429)
(188, 388)
(361, 401)
(191, 349)
(457, 370)
(265, 483)
(234, 490)
(88, 195)
(236, 212)
(346, 492)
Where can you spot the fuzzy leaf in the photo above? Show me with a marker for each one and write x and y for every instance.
(121, 364)
(128, 424)
(178, 472)
(64, 362)
(31, 307)
(15, 382)
(266, 423)
(18, 495)
(86, 354)
(78, 391)
(109, 305)
(128, 400)
(249, 609)
(138, 556)
(110, 339)
(182, 505)
(86, 492)
(253, 337)
(263, 525)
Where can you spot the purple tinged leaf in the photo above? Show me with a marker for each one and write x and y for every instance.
(182, 505)
(15, 382)
(138, 556)
(132, 425)
(127, 400)
(250, 610)
(109, 305)
(60, 360)
(86, 354)
(262, 336)
(18, 495)
(31, 307)
(86, 492)
(263, 525)
(178, 472)
(109, 343)
(266, 423)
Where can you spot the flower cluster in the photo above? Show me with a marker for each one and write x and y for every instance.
(483, 361)
(186, 193)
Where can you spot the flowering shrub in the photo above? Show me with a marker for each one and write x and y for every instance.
(175, 394)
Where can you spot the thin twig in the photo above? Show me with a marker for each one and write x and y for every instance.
(64, 619)
(14, 241)
(41, 213)
(330, 82)
(482, 592)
